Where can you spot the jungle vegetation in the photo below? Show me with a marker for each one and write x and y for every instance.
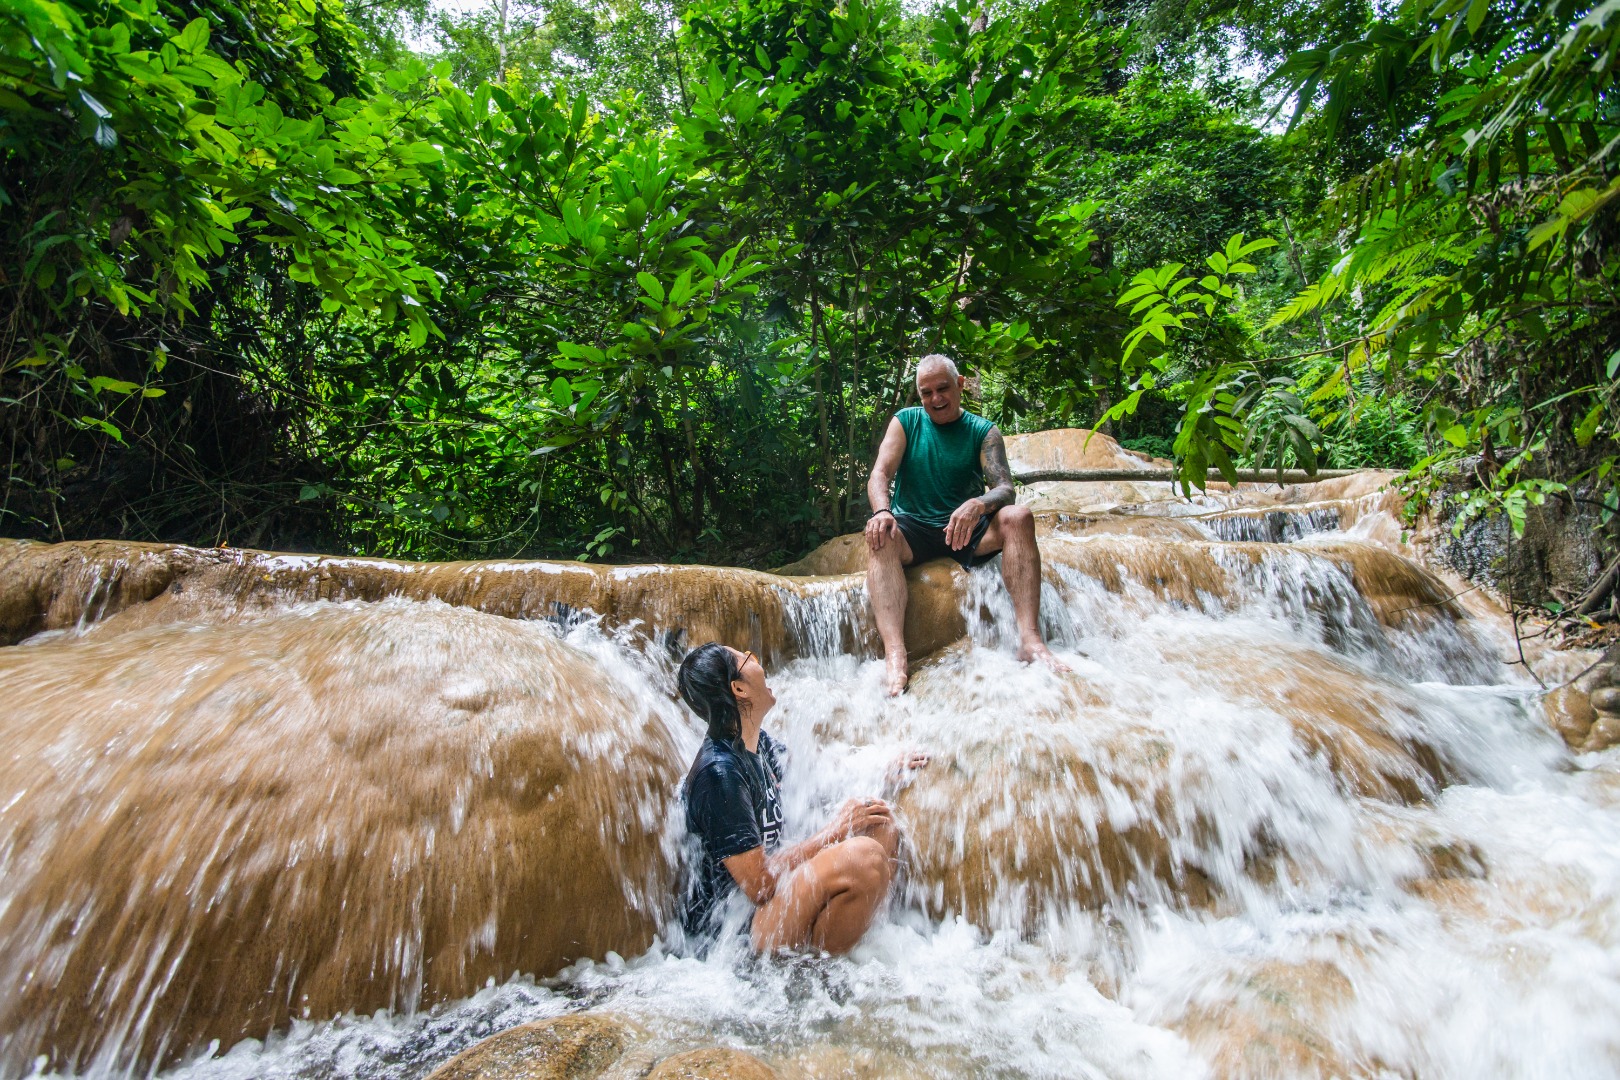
(621, 280)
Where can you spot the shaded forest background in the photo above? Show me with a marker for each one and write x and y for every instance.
(631, 280)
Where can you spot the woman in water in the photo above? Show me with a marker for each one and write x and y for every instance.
(821, 892)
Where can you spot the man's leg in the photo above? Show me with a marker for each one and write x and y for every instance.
(1012, 532)
(886, 585)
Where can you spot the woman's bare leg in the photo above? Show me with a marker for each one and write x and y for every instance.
(829, 901)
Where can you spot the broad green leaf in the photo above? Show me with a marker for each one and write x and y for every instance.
(1586, 428)
(194, 37)
(651, 285)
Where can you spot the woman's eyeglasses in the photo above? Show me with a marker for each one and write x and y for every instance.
(743, 663)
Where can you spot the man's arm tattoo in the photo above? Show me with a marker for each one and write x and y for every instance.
(997, 473)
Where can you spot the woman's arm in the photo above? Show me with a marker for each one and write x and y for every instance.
(758, 874)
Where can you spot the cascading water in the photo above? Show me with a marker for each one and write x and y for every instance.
(1290, 816)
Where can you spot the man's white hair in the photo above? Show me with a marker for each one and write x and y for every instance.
(933, 360)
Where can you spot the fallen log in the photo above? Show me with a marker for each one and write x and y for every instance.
(1245, 476)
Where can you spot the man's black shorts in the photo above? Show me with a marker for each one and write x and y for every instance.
(928, 541)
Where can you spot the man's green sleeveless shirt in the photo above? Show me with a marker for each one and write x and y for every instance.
(941, 468)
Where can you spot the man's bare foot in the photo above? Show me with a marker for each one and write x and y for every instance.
(895, 676)
(1038, 652)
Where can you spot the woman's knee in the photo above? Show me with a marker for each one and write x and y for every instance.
(863, 863)
(888, 836)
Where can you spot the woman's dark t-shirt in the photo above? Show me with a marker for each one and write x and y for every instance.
(733, 804)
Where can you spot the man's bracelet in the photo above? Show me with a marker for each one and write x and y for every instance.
(885, 510)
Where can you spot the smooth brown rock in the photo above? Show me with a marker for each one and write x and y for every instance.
(1074, 448)
(716, 1063)
(208, 830)
(55, 586)
(1361, 485)
(1606, 700)
(847, 554)
(933, 610)
(52, 586)
(1272, 1024)
(1604, 734)
(1094, 497)
(1008, 823)
(1569, 712)
(1400, 593)
(566, 1048)
(841, 555)
(119, 587)
(1058, 523)
(831, 1061)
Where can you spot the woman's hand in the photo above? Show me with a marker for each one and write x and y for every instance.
(858, 817)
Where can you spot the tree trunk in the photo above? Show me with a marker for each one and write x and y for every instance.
(692, 457)
(821, 407)
(500, 46)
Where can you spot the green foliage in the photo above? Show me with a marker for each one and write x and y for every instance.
(1231, 409)
(1153, 445)
(151, 151)
(1482, 261)
(624, 53)
(606, 281)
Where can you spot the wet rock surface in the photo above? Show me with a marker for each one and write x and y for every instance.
(717, 1063)
(243, 788)
(1585, 712)
(992, 838)
(1074, 448)
(210, 828)
(1559, 555)
(579, 1047)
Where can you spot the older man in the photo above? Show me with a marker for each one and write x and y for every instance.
(929, 500)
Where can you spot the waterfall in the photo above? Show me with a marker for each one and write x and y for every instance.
(1291, 815)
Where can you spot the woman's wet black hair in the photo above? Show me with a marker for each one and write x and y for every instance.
(705, 679)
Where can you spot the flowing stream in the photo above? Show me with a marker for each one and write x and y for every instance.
(1288, 817)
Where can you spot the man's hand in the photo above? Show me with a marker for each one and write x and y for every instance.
(880, 529)
(901, 769)
(959, 530)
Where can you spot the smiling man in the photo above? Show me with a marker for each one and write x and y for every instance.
(929, 500)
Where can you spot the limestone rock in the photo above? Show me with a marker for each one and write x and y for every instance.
(1272, 1026)
(327, 808)
(1604, 734)
(832, 1061)
(55, 586)
(933, 614)
(1581, 668)
(715, 1063)
(1358, 485)
(841, 555)
(1606, 700)
(993, 840)
(1094, 497)
(1569, 712)
(1061, 523)
(1074, 448)
(566, 1048)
